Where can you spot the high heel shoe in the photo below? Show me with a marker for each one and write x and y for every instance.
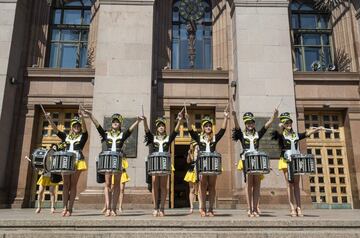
(299, 212)
(107, 213)
(202, 213)
(293, 213)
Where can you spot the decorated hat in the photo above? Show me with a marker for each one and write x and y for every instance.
(75, 120)
(118, 117)
(160, 120)
(248, 116)
(284, 117)
(206, 120)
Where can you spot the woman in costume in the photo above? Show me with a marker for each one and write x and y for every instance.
(207, 143)
(114, 139)
(75, 142)
(191, 176)
(249, 140)
(288, 140)
(161, 143)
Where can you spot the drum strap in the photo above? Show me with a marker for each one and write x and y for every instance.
(293, 138)
(251, 139)
(114, 139)
(206, 142)
(161, 142)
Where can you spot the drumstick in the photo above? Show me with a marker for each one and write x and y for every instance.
(275, 171)
(142, 109)
(26, 157)
(227, 107)
(326, 129)
(42, 108)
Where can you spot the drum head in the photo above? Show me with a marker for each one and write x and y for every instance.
(48, 160)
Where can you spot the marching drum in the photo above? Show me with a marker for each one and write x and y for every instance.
(39, 158)
(302, 164)
(256, 163)
(208, 163)
(159, 163)
(63, 162)
(109, 162)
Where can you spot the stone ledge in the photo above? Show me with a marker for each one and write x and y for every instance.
(32, 72)
(261, 3)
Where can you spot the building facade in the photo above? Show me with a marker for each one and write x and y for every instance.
(124, 55)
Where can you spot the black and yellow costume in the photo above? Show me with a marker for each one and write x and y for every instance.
(190, 175)
(285, 138)
(114, 141)
(206, 145)
(75, 143)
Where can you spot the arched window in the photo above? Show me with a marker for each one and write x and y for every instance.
(203, 42)
(69, 30)
(311, 31)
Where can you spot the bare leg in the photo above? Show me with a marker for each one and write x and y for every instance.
(297, 195)
(163, 191)
(73, 190)
(212, 194)
(191, 196)
(108, 193)
(116, 193)
(290, 190)
(155, 193)
(256, 194)
(66, 188)
(249, 191)
(203, 188)
(40, 198)
(52, 198)
(122, 192)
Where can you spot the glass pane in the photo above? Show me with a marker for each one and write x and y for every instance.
(324, 22)
(87, 3)
(308, 21)
(311, 55)
(306, 6)
(70, 35)
(53, 55)
(295, 21)
(327, 56)
(68, 56)
(326, 39)
(57, 16)
(312, 39)
(72, 17)
(84, 36)
(294, 5)
(87, 17)
(175, 14)
(175, 32)
(83, 56)
(73, 3)
(55, 35)
(175, 54)
(298, 59)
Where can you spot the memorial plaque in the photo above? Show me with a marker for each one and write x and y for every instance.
(270, 147)
(130, 145)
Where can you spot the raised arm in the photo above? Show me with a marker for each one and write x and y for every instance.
(272, 118)
(236, 122)
(179, 118)
(146, 125)
(135, 124)
(313, 131)
(82, 118)
(92, 118)
(226, 118)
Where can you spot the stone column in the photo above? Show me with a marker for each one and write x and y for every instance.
(122, 79)
(263, 68)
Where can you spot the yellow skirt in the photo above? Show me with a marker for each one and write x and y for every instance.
(283, 165)
(124, 178)
(124, 163)
(45, 181)
(80, 165)
(172, 168)
(240, 167)
(190, 177)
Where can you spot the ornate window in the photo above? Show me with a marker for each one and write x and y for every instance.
(311, 35)
(69, 30)
(183, 12)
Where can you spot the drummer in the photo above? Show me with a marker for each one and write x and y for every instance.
(114, 139)
(249, 140)
(75, 142)
(287, 139)
(161, 143)
(207, 143)
(191, 176)
(43, 182)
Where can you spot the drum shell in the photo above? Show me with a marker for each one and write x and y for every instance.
(63, 162)
(109, 162)
(256, 163)
(159, 164)
(303, 164)
(209, 163)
